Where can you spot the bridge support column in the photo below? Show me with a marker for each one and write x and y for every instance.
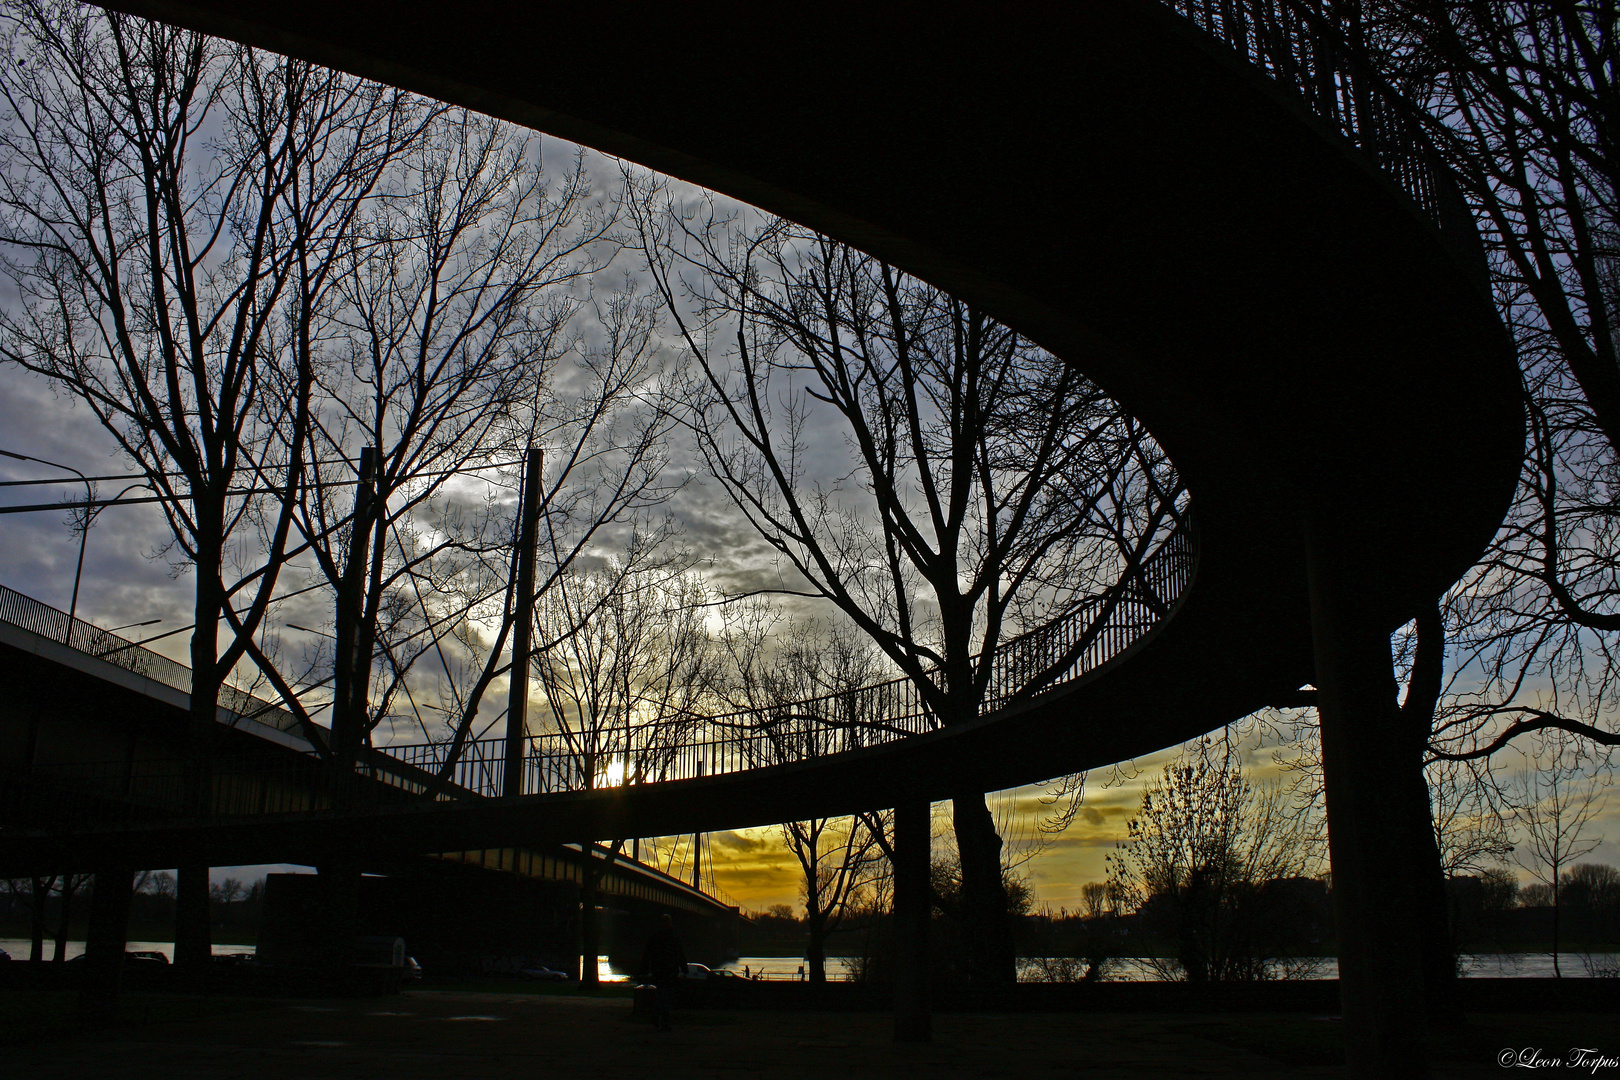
(339, 885)
(104, 945)
(1374, 884)
(193, 937)
(912, 903)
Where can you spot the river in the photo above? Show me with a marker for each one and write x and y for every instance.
(788, 968)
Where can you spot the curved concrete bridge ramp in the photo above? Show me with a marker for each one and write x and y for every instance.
(1107, 180)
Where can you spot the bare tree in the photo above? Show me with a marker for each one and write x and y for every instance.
(1470, 828)
(1556, 803)
(1203, 862)
(802, 687)
(605, 456)
(439, 343)
(625, 667)
(39, 892)
(1519, 99)
(67, 887)
(985, 488)
(172, 210)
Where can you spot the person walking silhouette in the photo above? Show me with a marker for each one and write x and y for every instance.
(662, 963)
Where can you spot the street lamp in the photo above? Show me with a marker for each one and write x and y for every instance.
(84, 531)
(128, 625)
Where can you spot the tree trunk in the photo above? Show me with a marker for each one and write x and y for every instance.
(1557, 972)
(41, 893)
(1369, 821)
(66, 912)
(104, 944)
(992, 958)
(193, 930)
(208, 602)
(352, 634)
(590, 929)
(815, 950)
(1433, 914)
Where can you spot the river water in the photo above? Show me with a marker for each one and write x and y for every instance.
(1484, 965)
(788, 968)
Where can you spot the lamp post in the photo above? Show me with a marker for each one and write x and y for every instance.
(126, 626)
(84, 531)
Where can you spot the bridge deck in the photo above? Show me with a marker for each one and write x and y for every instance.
(1288, 321)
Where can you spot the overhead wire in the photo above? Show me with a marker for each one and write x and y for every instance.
(93, 504)
(115, 477)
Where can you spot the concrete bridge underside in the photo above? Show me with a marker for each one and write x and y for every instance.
(1302, 341)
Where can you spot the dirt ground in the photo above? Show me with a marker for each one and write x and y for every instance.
(447, 1034)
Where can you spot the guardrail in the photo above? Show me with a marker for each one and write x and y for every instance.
(1297, 47)
(79, 794)
(708, 745)
(53, 625)
(285, 781)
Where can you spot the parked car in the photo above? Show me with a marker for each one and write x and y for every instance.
(379, 950)
(133, 959)
(544, 974)
(235, 959)
(703, 971)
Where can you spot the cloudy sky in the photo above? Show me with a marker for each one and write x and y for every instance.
(127, 580)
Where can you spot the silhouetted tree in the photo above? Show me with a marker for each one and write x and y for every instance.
(445, 321)
(986, 488)
(1519, 98)
(1591, 894)
(1594, 885)
(1555, 804)
(172, 211)
(1206, 864)
(805, 695)
(625, 666)
(1481, 909)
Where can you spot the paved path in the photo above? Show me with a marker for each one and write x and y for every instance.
(453, 1035)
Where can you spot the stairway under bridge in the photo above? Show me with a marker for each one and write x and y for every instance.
(1215, 209)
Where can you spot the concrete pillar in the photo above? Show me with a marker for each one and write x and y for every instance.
(912, 904)
(193, 944)
(104, 945)
(339, 885)
(1374, 881)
